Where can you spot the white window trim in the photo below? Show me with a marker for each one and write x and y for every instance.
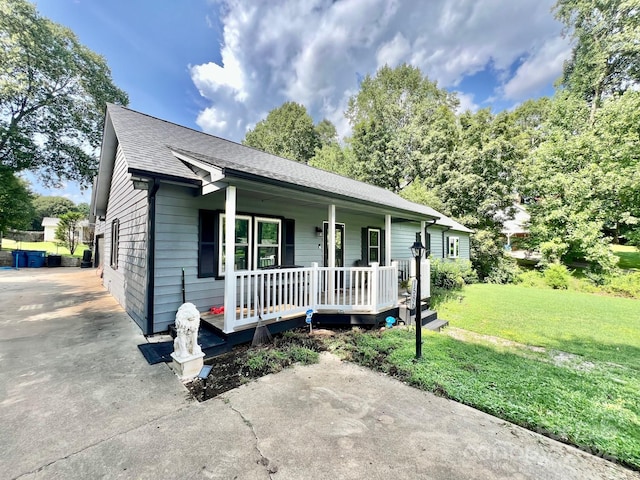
(222, 219)
(257, 245)
(453, 248)
(369, 245)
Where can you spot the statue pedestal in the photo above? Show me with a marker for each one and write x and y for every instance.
(187, 367)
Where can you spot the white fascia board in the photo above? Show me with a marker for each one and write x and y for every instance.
(212, 182)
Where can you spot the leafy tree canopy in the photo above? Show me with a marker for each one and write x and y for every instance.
(67, 230)
(606, 55)
(50, 206)
(16, 209)
(288, 131)
(53, 92)
(401, 122)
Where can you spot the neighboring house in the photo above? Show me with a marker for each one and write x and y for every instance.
(263, 236)
(516, 227)
(50, 224)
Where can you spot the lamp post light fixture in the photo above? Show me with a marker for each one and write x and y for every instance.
(417, 250)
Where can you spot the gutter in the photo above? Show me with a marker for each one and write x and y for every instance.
(154, 185)
(426, 228)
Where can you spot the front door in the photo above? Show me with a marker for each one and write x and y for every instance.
(339, 250)
(339, 244)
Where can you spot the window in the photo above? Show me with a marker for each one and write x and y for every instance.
(115, 242)
(241, 246)
(454, 247)
(259, 242)
(267, 242)
(373, 245)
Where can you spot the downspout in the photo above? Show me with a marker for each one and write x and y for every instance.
(443, 249)
(154, 185)
(426, 228)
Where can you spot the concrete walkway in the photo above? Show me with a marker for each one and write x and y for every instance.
(77, 400)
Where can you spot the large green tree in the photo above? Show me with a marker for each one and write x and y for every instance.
(53, 92)
(606, 55)
(402, 123)
(50, 206)
(288, 131)
(16, 208)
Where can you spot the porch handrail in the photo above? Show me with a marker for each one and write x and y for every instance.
(272, 294)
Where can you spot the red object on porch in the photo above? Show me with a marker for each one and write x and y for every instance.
(217, 310)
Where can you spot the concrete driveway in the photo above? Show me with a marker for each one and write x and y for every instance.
(77, 400)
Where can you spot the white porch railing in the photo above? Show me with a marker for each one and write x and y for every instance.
(273, 294)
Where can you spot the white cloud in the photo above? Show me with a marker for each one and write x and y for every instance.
(539, 70)
(466, 102)
(314, 52)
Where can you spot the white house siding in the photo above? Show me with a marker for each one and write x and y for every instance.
(127, 283)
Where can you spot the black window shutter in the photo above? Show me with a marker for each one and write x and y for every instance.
(208, 244)
(289, 256)
(382, 248)
(365, 247)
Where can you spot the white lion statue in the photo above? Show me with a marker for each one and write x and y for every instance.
(185, 344)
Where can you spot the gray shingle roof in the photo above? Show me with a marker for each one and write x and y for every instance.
(147, 143)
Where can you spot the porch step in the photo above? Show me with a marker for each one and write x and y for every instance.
(436, 325)
(429, 316)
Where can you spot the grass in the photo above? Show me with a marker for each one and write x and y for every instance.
(629, 256)
(50, 247)
(582, 387)
(598, 327)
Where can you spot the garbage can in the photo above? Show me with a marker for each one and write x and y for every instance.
(54, 260)
(19, 258)
(36, 259)
(86, 259)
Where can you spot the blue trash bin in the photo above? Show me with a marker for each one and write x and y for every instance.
(19, 258)
(36, 259)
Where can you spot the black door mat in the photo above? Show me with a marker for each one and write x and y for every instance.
(161, 351)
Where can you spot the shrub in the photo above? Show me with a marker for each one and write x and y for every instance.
(450, 275)
(530, 278)
(627, 285)
(557, 276)
(504, 271)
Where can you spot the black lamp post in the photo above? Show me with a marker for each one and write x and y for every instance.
(417, 250)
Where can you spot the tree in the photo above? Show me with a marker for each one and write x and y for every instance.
(606, 53)
(402, 123)
(49, 206)
(334, 158)
(288, 131)
(16, 209)
(327, 134)
(67, 230)
(566, 178)
(53, 93)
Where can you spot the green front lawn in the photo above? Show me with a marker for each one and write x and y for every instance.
(629, 256)
(599, 327)
(49, 247)
(582, 387)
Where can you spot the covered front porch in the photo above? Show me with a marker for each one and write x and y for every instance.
(277, 293)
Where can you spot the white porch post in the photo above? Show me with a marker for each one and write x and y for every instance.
(375, 278)
(387, 240)
(331, 254)
(229, 259)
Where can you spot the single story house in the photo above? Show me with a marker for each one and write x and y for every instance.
(50, 224)
(183, 215)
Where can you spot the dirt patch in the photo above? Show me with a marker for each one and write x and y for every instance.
(246, 363)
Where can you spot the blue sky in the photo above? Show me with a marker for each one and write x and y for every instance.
(220, 66)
